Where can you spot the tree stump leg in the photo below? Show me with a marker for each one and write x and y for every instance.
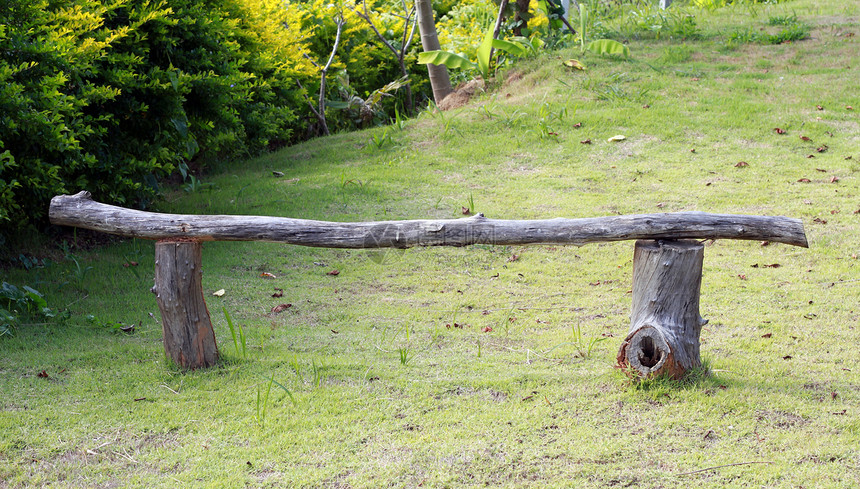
(189, 339)
(665, 323)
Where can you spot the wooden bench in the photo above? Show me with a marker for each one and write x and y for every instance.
(667, 263)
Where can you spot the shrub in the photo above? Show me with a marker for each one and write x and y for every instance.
(790, 31)
(113, 96)
(25, 305)
(643, 20)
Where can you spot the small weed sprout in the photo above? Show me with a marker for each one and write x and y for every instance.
(405, 352)
(433, 110)
(195, 185)
(263, 402)
(237, 339)
(488, 110)
(783, 20)
(319, 373)
(296, 366)
(469, 208)
(380, 141)
(79, 273)
(399, 121)
(404, 355)
(582, 345)
(435, 334)
(507, 320)
(448, 124)
(510, 118)
(344, 182)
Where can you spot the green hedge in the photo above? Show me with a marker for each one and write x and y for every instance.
(113, 96)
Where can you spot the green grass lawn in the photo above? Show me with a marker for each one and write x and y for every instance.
(387, 375)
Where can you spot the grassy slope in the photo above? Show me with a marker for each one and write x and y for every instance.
(518, 406)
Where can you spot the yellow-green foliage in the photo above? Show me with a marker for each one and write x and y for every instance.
(110, 96)
(363, 61)
(277, 28)
(462, 29)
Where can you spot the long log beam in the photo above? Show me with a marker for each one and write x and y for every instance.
(80, 210)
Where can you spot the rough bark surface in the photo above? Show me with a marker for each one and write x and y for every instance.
(665, 323)
(189, 339)
(81, 211)
(440, 82)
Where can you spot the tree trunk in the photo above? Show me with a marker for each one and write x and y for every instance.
(522, 16)
(82, 211)
(498, 26)
(665, 323)
(189, 339)
(410, 105)
(439, 79)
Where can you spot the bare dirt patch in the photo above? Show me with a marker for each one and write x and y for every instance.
(462, 94)
(781, 419)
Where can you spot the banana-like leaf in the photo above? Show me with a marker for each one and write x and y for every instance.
(533, 46)
(583, 21)
(376, 96)
(446, 58)
(511, 47)
(610, 47)
(484, 51)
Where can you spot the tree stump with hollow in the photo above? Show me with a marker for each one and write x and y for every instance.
(665, 323)
(189, 339)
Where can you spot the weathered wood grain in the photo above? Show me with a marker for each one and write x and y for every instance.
(80, 210)
(189, 339)
(665, 323)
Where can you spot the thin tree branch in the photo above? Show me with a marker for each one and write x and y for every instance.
(319, 111)
(340, 23)
(408, 41)
(721, 466)
(411, 32)
(498, 27)
(563, 19)
(311, 60)
(321, 104)
(308, 99)
(367, 19)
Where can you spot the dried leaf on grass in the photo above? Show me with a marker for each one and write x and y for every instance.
(574, 63)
